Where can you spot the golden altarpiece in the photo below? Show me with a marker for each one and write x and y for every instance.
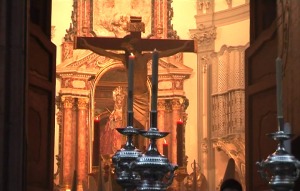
(88, 83)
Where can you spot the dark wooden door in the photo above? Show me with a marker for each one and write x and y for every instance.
(260, 89)
(40, 111)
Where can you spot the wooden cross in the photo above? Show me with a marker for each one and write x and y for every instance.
(135, 27)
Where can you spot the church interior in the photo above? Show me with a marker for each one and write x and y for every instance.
(219, 99)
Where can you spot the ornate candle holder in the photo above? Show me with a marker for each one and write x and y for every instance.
(123, 157)
(280, 169)
(155, 170)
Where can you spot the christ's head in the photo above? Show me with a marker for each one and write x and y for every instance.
(129, 44)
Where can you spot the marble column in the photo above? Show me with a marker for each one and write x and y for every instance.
(168, 124)
(68, 142)
(176, 115)
(82, 143)
(160, 123)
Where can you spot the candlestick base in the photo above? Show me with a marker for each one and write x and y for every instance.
(122, 159)
(280, 168)
(155, 170)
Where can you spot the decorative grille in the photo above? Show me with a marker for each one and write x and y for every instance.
(228, 91)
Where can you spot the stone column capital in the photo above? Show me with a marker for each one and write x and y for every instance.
(161, 105)
(82, 103)
(68, 101)
(176, 105)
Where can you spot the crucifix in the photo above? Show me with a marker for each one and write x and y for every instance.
(136, 27)
(134, 45)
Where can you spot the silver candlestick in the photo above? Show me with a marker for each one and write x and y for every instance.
(122, 159)
(155, 170)
(280, 169)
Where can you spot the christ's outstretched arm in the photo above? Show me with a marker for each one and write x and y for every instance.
(102, 52)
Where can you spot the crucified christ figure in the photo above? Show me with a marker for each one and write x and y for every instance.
(140, 92)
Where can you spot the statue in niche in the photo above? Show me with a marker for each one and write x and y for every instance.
(111, 139)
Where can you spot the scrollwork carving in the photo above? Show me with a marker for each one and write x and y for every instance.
(71, 32)
(171, 33)
(185, 103)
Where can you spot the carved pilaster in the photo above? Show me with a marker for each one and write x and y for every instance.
(59, 120)
(204, 146)
(204, 61)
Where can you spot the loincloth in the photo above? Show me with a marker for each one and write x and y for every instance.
(141, 108)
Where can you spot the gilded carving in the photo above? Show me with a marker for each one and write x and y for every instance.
(67, 102)
(176, 105)
(82, 103)
(185, 103)
(114, 16)
(161, 105)
(71, 32)
(67, 50)
(59, 118)
(171, 33)
(178, 84)
(168, 105)
(136, 26)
